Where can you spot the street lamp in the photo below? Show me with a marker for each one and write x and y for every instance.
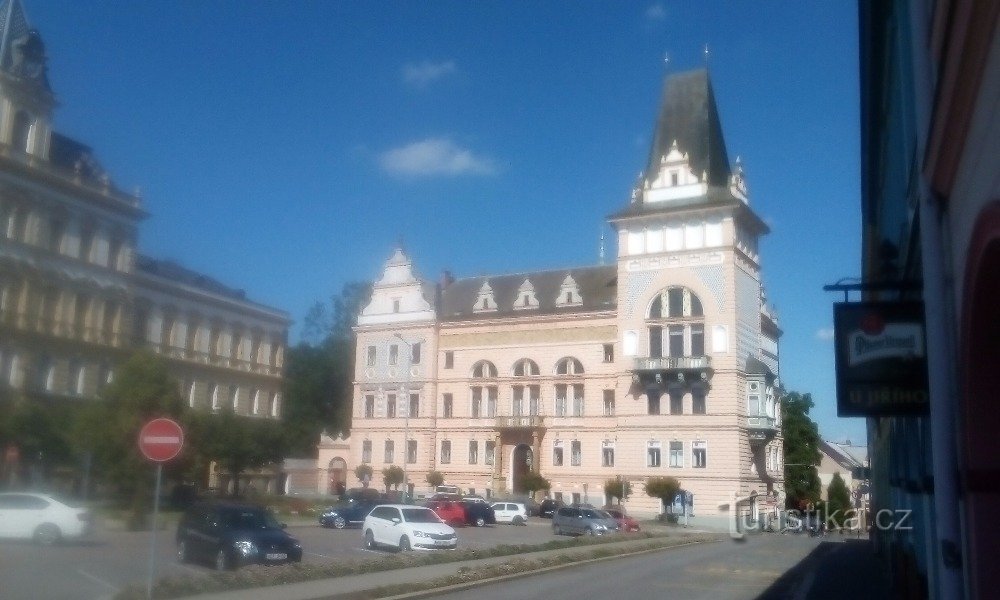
(406, 416)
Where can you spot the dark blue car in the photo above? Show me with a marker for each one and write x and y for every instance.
(352, 512)
(230, 535)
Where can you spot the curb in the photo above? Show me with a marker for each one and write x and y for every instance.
(458, 587)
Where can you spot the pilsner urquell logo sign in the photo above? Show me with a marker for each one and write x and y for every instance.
(881, 358)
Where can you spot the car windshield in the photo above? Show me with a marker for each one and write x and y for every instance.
(614, 513)
(605, 514)
(591, 514)
(249, 519)
(420, 515)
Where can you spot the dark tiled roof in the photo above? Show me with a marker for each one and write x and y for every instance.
(756, 367)
(716, 197)
(688, 114)
(168, 269)
(597, 285)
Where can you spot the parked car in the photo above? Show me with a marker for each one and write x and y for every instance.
(548, 507)
(625, 522)
(479, 513)
(582, 521)
(449, 511)
(514, 513)
(407, 527)
(230, 535)
(41, 517)
(352, 512)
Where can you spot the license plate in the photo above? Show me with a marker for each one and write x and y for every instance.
(276, 556)
(442, 543)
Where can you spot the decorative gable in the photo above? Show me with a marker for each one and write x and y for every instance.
(674, 178)
(526, 296)
(569, 293)
(398, 296)
(738, 183)
(485, 302)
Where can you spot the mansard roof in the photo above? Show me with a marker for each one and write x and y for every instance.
(597, 284)
(688, 115)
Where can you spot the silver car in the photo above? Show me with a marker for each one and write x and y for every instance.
(571, 520)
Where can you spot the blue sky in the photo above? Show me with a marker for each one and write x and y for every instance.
(284, 147)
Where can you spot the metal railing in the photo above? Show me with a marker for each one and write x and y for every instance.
(665, 363)
(524, 421)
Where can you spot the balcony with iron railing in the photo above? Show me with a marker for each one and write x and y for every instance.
(520, 422)
(672, 363)
(761, 428)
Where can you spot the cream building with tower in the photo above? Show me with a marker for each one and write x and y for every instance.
(664, 363)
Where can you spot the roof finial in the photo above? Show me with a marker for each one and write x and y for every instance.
(666, 60)
(706, 56)
(399, 242)
(600, 254)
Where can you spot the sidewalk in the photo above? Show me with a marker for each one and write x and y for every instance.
(325, 588)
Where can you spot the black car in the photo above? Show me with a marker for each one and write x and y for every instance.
(479, 513)
(352, 512)
(230, 535)
(548, 507)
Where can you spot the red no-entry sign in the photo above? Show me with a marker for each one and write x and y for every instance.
(161, 439)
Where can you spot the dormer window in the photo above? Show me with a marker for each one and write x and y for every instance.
(395, 305)
(569, 293)
(485, 301)
(526, 296)
(673, 178)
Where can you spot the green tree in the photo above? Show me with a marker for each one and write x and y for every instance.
(237, 443)
(664, 488)
(435, 478)
(364, 473)
(392, 476)
(801, 443)
(838, 500)
(109, 428)
(619, 489)
(533, 482)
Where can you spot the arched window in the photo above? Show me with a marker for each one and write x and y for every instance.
(214, 395)
(569, 395)
(77, 378)
(676, 324)
(484, 369)
(569, 366)
(256, 402)
(21, 131)
(525, 399)
(525, 368)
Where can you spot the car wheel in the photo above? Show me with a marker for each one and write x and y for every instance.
(518, 520)
(47, 534)
(369, 540)
(222, 561)
(339, 523)
(182, 552)
(404, 544)
(589, 532)
(480, 522)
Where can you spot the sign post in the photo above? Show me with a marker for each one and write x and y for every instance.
(160, 440)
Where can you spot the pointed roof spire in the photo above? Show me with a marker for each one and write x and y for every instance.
(13, 26)
(689, 117)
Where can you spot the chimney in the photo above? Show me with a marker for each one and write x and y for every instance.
(446, 279)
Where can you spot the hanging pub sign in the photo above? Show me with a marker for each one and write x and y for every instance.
(881, 358)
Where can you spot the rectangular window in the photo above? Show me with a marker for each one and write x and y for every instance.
(653, 401)
(366, 451)
(370, 406)
(390, 406)
(676, 334)
(608, 455)
(534, 403)
(490, 452)
(395, 305)
(609, 403)
(653, 454)
(445, 452)
(371, 356)
(697, 340)
(449, 406)
(655, 342)
(477, 402)
(393, 354)
(561, 400)
(449, 359)
(676, 403)
(414, 406)
(576, 453)
(517, 401)
(557, 455)
(699, 454)
(753, 405)
(411, 451)
(675, 302)
(578, 400)
(473, 452)
(390, 451)
(558, 497)
(697, 402)
(576, 497)
(491, 401)
(415, 354)
(676, 454)
(609, 353)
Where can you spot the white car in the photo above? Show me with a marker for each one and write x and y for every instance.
(407, 527)
(41, 517)
(514, 513)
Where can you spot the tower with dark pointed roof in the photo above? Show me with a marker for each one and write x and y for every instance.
(27, 100)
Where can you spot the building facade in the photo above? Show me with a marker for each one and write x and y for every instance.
(662, 364)
(76, 297)
(930, 154)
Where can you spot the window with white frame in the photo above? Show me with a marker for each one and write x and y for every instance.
(653, 454)
(569, 366)
(607, 453)
(557, 453)
(366, 451)
(517, 401)
(490, 452)
(675, 324)
(561, 399)
(390, 451)
(676, 454)
(473, 452)
(492, 394)
(445, 452)
(578, 400)
(609, 403)
(411, 451)
(390, 406)
(534, 400)
(525, 368)
(234, 397)
(484, 369)
(369, 406)
(699, 454)
(414, 408)
(372, 354)
(476, 409)
(754, 399)
(576, 453)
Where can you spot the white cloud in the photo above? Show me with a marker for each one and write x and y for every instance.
(435, 156)
(825, 334)
(656, 12)
(422, 74)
